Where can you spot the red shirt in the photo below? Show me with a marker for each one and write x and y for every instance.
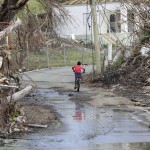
(78, 68)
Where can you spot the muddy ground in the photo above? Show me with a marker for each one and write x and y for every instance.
(140, 96)
(41, 115)
(37, 112)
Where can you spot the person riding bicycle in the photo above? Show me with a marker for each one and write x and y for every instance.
(78, 70)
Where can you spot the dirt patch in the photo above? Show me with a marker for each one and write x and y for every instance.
(36, 118)
(39, 115)
(141, 96)
(29, 115)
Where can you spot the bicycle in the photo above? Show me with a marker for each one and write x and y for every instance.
(78, 82)
(78, 69)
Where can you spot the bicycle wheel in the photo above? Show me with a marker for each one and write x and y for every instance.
(78, 84)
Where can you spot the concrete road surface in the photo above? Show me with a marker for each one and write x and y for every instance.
(110, 122)
(56, 77)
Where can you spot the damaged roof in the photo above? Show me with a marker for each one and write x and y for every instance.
(74, 2)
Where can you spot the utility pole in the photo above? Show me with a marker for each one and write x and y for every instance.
(96, 38)
(65, 56)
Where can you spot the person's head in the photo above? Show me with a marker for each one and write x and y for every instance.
(78, 63)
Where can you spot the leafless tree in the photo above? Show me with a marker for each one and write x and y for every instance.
(140, 10)
(9, 8)
(31, 32)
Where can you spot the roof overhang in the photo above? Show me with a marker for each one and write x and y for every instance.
(76, 2)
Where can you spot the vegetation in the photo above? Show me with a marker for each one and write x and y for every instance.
(36, 7)
(56, 58)
(116, 65)
(145, 33)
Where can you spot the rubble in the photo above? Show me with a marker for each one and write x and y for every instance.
(7, 71)
(135, 73)
(132, 80)
(12, 119)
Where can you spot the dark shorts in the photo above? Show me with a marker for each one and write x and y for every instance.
(78, 75)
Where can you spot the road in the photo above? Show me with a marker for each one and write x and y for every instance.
(93, 119)
(55, 77)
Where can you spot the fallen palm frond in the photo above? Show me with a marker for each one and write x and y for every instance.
(133, 73)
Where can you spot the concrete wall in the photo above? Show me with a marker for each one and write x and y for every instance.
(80, 28)
(78, 14)
(78, 25)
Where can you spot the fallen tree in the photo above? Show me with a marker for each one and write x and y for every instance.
(19, 95)
(11, 117)
(11, 27)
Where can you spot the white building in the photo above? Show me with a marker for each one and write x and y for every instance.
(115, 23)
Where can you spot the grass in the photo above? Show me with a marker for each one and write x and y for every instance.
(56, 58)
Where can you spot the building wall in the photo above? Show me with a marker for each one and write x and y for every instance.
(81, 25)
(77, 25)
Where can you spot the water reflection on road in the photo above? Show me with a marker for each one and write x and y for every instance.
(85, 127)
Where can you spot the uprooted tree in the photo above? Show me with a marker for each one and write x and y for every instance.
(30, 34)
(9, 8)
(27, 37)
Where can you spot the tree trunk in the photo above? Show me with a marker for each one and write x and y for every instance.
(9, 8)
(10, 28)
(17, 96)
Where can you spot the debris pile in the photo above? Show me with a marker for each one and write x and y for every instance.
(9, 111)
(7, 70)
(134, 73)
(12, 118)
(4, 65)
(131, 80)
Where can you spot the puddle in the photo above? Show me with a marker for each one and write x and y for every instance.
(84, 128)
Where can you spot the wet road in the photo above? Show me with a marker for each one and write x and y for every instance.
(84, 127)
(60, 77)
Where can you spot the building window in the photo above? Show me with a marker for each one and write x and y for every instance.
(112, 23)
